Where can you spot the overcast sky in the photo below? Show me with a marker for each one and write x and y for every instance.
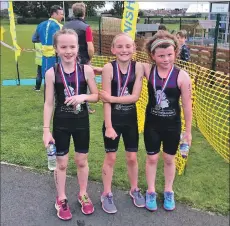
(160, 5)
(144, 5)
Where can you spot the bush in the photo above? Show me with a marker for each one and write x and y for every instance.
(32, 20)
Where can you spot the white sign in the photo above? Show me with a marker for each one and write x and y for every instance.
(219, 8)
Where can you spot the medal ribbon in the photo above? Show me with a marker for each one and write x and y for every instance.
(120, 91)
(65, 82)
(164, 84)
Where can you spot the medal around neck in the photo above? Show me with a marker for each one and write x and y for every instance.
(76, 108)
(161, 92)
(122, 87)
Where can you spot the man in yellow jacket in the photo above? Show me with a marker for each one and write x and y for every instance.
(44, 34)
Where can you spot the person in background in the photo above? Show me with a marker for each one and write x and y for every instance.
(44, 34)
(38, 62)
(162, 27)
(85, 34)
(184, 50)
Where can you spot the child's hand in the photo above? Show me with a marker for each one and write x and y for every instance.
(74, 100)
(188, 137)
(47, 138)
(104, 96)
(110, 133)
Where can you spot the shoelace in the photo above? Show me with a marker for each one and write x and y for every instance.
(110, 199)
(85, 199)
(138, 192)
(64, 204)
(169, 197)
(152, 196)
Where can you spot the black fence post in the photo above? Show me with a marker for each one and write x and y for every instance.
(99, 34)
(215, 42)
(162, 20)
(148, 19)
(180, 23)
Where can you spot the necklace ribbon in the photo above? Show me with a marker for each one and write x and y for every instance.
(159, 97)
(65, 82)
(120, 91)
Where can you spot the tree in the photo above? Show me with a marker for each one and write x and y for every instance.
(141, 13)
(118, 7)
(37, 9)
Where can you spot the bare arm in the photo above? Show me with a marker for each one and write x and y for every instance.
(90, 49)
(49, 97)
(133, 98)
(147, 69)
(92, 97)
(48, 106)
(106, 86)
(90, 78)
(185, 85)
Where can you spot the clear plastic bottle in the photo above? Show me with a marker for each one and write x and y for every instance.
(51, 154)
(184, 147)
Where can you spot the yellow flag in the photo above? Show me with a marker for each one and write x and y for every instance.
(130, 15)
(13, 31)
(2, 32)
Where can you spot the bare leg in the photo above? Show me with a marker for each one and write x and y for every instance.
(60, 176)
(151, 169)
(107, 171)
(81, 161)
(169, 171)
(132, 165)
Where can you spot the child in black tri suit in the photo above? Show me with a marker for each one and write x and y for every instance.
(121, 87)
(68, 82)
(166, 84)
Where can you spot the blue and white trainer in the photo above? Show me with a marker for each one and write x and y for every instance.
(151, 201)
(169, 202)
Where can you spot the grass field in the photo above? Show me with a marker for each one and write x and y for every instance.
(205, 184)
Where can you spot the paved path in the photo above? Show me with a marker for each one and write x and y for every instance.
(27, 199)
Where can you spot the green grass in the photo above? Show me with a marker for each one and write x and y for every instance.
(205, 184)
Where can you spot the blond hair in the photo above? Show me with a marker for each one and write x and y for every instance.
(63, 32)
(79, 9)
(171, 41)
(119, 35)
(182, 33)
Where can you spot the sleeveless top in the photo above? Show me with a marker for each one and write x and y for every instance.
(165, 114)
(61, 109)
(123, 114)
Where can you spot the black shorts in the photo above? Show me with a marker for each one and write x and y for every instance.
(62, 132)
(129, 134)
(154, 136)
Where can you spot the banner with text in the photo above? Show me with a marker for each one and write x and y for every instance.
(130, 15)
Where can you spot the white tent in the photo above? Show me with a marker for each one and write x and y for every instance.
(198, 8)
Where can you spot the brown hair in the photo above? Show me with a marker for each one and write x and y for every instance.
(182, 33)
(118, 35)
(63, 32)
(79, 9)
(162, 27)
(162, 35)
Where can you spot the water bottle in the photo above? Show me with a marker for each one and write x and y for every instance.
(51, 154)
(184, 147)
